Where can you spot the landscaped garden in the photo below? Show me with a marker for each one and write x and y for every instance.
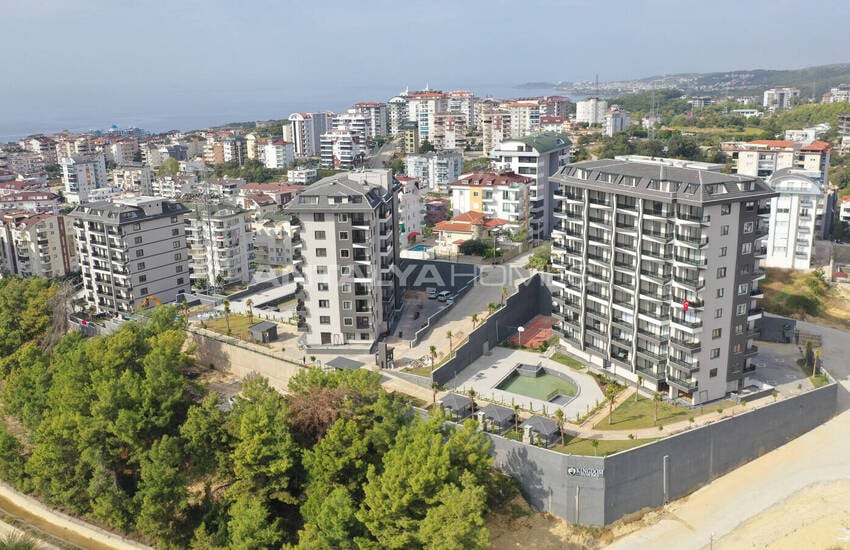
(601, 447)
(238, 325)
(565, 359)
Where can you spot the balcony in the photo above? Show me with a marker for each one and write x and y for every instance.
(760, 252)
(691, 260)
(627, 207)
(620, 322)
(689, 217)
(649, 374)
(751, 351)
(660, 278)
(687, 325)
(658, 357)
(684, 366)
(659, 236)
(653, 314)
(624, 227)
(684, 385)
(698, 241)
(754, 314)
(656, 254)
(693, 346)
(692, 283)
(657, 213)
(653, 335)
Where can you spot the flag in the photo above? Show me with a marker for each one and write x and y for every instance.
(686, 305)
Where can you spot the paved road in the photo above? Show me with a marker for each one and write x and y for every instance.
(719, 508)
(382, 156)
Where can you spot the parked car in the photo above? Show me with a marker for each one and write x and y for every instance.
(443, 296)
(432, 294)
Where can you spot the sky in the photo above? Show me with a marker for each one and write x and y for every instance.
(68, 63)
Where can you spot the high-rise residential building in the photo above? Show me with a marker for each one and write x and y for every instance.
(616, 121)
(349, 291)
(278, 154)
(134, 177)
(132, 253)
(461, 102)
(591, 110)
(525, 116)
(81, 174)
(122, 152)
(274, 239)
(450, 131)
(657, 274)
(844, 125)
(839, 94)
(225, 189)
(409, 137)
(421, 108)
(765, 156)
(435, 170)
(376, 113)
(307, 130)
(411, 208)
(802, 212)
(41, 201)
(504, 196)
(495, 128)
(779, 98)
(218, 236)
(356, 122)
(538, 157)
(397, 113)
(44, 147)
(341, 148)
(252, 146)
(25, 163)
(40, 245)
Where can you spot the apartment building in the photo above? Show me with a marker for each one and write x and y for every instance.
(306, 131)
(397, 113)
(132, 253)
(39, 245)
(591, 110)
(349, 291)
(218, 236)
(539, 157)
(802, 213)
(658, 274)
(303, 176)
(122, 152)
(226, 188)
(409, 137)
(356, 122)
(504, 196)
(171, 187)
(450, 131)
(616, 121)
(341, 148)
(436, 211)
(376, 115)
(839, 94)
(421, 108)
(275, 237)
(133, 177)
(411, 208)
(25, 163)
(43, 202)
(779, 98)
(44, 147)
(81, 174)
(765, 156)
(436, 169)
(495, 128)
(278, 154)
(525, 116)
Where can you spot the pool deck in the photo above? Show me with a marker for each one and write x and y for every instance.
(487, 372)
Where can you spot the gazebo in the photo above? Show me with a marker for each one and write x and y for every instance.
(458, 406)
(264, 331)
(539, 429)
(496, 418)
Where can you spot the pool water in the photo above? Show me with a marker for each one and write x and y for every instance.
(420, 248)
(540, 387)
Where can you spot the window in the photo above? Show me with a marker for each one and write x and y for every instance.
(720, 292)
(748, 227)
(175, 232)
(173, 219)
(712, 373)
(323, 286)
(321, 270)
(143, 278)
(718, 313)
(746, 248)
(739, 328)
(178, 257)
(321, 252)
(343, 235)
(179, 269)
(347, 321)
(318, 217)
(715, 353)
(179, 280)
(137, 226)
(342, 217)
(325, 320)
(175, 244)
(140, 266)
(344, 253)
(721, 272)
(137, 240)
(725, 209)
(345, 270)
(319, 235)
(346, 305)
(745, 268)
(741, 309)
(715, 334)
(324, 303)
(140, 252)
(738, 348)
(346, 287)
(722, 251)
(724, 229)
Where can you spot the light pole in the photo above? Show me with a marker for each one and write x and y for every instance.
(520, 330)
(495, 234)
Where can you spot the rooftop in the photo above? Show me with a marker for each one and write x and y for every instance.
(490, 179)
(544, 142)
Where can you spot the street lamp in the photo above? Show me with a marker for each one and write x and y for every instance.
(495, 233)
(520, 330)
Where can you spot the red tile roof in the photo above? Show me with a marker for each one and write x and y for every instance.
(454, 227)
(774, 142)
(490, 179)
(819, 146)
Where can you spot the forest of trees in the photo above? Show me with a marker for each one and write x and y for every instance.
(112, 429)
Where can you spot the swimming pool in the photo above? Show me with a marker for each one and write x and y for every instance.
(421, 248)
(540, 383)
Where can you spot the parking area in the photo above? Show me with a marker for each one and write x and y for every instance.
(776, 364)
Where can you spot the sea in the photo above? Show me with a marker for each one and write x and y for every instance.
(189, 110)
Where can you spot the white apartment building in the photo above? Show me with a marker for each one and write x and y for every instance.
(278, 154)
(503, 196)
(807, 135)
(134, 177)
(340, 148)
(463, 103)
(377, 116)
(525, 116)
(844, 210)
(539, 157)
(171, 187)
(398, 114)
(616, 121)
(25, 164)
(839, 94)
(275, 237)
(42, 201)
(657, 274)
(219, 239)
(132, 253)
(411, 208)
(307, 130)
(44, 147)
(349, 291)
(421, 108)
(38, 245)
(779, 98)
(435, 170)
(356, 122)
(450, 131)
(495, 128)
(591, 110)
(765, 156)
(81, 174)
(801, 214)
(122, 152)
(225, 189)
(302, 176)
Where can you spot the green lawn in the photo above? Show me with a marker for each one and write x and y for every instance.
(633, 415)
(420, 371)
(579, 446)
(238, 326)
(819, 380)
(565, 359)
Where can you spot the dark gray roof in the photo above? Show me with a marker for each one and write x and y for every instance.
(360, 197)
(344, 363)
(262, 326)
(121, 213)
(456, 403)
(540, 424)
(497, 413)
(687, 185)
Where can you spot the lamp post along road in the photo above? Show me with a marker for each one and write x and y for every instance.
(520, 330)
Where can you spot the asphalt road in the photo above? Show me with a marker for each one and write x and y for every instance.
(382, 156)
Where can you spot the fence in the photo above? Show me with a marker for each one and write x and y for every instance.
(436, 316)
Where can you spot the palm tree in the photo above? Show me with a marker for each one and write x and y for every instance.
(434, 388)
(227, 314)
(474, 319)
(433, 352)
(492, 307)
(472, 394)
(610, 393)
(657, 398)
(219, 280)
(559, 414)
(516, 418)
(637, 387)
(595, 444)
(449, 336)
(250, 303)
(504, 294)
